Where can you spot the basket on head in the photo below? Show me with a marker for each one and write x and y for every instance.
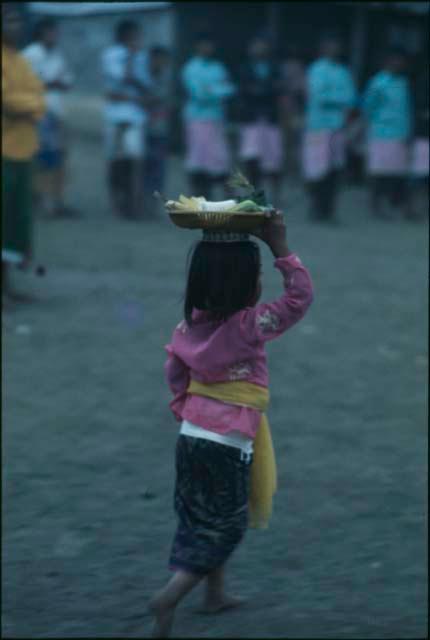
(217, 220)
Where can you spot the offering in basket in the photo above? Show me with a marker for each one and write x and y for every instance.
(241, 214)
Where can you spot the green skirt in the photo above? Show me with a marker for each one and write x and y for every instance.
(17, 227)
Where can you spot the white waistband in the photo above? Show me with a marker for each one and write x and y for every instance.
(232, 439)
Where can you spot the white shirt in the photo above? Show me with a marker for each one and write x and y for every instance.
(232, 439)
(114, 63)
(49, 65)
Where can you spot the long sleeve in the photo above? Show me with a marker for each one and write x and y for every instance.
(223, 87)
(178, 379)
(24, 97)
(269, 320)
(195, 86)
(215, 86)
(64, 72)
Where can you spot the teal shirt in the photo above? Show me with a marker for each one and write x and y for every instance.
(207, 85)
(387, 107)
(331, 92)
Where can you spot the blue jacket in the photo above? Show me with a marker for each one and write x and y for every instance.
(331, 92)
(387, 107)
(207, 85)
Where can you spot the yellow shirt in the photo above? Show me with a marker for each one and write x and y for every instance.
(23, 105)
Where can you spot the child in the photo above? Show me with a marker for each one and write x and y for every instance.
(218, 352)
(126, 92)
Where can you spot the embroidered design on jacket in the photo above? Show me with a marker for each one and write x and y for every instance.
(239, 371)
(268, 321)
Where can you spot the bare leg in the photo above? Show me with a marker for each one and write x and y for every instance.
(164, 603)
(216, 600)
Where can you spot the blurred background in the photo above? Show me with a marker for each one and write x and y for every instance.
(88, 440)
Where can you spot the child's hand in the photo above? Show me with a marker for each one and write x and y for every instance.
(274, 233)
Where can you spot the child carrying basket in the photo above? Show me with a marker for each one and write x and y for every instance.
(217, 371)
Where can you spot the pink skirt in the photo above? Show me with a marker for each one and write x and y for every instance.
(207, 147)
(323, 151)
(420, 158)
(387, 158)
(263, 142)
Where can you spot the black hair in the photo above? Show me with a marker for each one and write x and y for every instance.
(330, 36)
(222, 278)
(159, 50)
(42, 26)
(394, 50)
(124, 29)
(204, 36)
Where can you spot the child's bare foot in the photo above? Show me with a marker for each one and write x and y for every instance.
(163, 615)
(219, 604)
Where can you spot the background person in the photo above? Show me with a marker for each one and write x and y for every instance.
(49, 64)
(124, 68)
(388, 111)
(330, 94)
(293, 79)
(23, 106)
(261, 146)
(207, 85)
(158, 121)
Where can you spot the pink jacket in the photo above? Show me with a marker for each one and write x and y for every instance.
(233, 350)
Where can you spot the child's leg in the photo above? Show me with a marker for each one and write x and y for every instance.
(216, 600)
(164, 603)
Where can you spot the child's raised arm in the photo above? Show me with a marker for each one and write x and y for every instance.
(269, 320)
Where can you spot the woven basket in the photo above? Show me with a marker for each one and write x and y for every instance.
(217, 220)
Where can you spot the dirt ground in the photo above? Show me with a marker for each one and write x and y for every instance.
(88, 440)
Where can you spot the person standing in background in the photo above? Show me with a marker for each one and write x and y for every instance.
(49, 64)
(261, 147)
(387, 108)
(419, 179)
(23, 105)
(158, 120)
(355, 147)
(330, 95)
(124, 68)
(293, 79)
(208, 86)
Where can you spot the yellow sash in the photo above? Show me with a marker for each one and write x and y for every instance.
(263, 468)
